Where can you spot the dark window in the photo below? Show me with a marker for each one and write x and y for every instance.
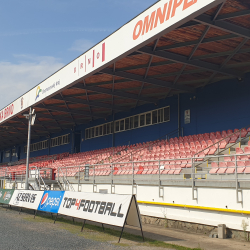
(127, 124)
(142, 120)
(104, 129)
(136, 121)
(160, 115)
(131, 122)
(154, 117)
(117, 126)
(92, 132)
(101, 130)
(121, 125)
(148, 118)
(96, 131)
(108, 128)
(166, 114)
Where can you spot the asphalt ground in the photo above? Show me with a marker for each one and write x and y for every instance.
(22, 231)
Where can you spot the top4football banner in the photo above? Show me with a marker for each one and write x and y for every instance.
(111, 209)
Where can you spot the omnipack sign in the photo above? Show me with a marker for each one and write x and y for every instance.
(5, 195)
(162, 17)
(109, 209)
(51, 201)
(26, 198)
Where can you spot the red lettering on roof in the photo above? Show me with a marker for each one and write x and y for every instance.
(160, 16)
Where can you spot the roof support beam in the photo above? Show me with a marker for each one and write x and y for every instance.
(183, 59)
(224, 25)
(77, 112)
(91, 103)
(190, 43)
(152, 81)
(227, 60)
(115, 93)
(233, 15)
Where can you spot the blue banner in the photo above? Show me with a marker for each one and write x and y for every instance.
(51, 201)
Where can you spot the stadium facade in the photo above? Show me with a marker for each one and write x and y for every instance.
(180, 68)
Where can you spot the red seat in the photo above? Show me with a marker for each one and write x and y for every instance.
(231, 168)
(214, 169)
(222, 168)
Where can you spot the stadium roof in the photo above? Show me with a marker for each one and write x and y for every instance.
(173, 47)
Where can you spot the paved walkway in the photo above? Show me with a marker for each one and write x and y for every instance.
(191, 240)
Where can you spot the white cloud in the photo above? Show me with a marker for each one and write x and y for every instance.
(82, 45)
(18, 78)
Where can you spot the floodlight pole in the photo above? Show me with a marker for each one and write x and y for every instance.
(28, 151)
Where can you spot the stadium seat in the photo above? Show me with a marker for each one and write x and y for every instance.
(214, 169)
(222, 168)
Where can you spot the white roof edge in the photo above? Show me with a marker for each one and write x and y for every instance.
(163, 16)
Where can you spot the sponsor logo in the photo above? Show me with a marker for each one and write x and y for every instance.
(7, 112)
(22, 103)
(38, 91)
(91, 206)
(50, 201)
(7, 196)
(91, 58)
(25, 197)
(160, 16)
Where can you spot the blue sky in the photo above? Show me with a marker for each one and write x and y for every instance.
(39, 37)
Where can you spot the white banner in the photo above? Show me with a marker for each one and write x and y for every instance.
(163, 16)
(26, 198)
(108, 209)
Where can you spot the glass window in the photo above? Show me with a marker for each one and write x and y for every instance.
(117, 126)
(87, 134)
(166, 114)
(136, 121)
(112, 127)
(92, 132)
(100, 130)
(104, 129)
(160, 115)
(13, 152)
(142, 120)
(154, 117)
(60, 141)
(121, 125)
(96, 131)
(126, 123)
(108, 128)
(148, 118)
(131, 122)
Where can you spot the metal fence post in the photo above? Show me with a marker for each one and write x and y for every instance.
(236, 181)
(133, 169)
(78, 179)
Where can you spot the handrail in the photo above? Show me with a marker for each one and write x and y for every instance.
(151, 143)
(65, 178)
(218, 142)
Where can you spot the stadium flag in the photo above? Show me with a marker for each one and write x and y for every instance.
(111, 209)
(5, 195)
(26, 198)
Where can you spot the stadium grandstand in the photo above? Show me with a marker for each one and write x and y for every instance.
(159, 109)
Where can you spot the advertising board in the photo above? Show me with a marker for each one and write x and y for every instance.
(51, 201)
(109, 209)
(26, 198)
(5, 195)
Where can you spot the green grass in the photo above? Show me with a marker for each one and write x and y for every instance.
(96, 233)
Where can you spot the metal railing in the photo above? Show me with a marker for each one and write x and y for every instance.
(160, 172)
